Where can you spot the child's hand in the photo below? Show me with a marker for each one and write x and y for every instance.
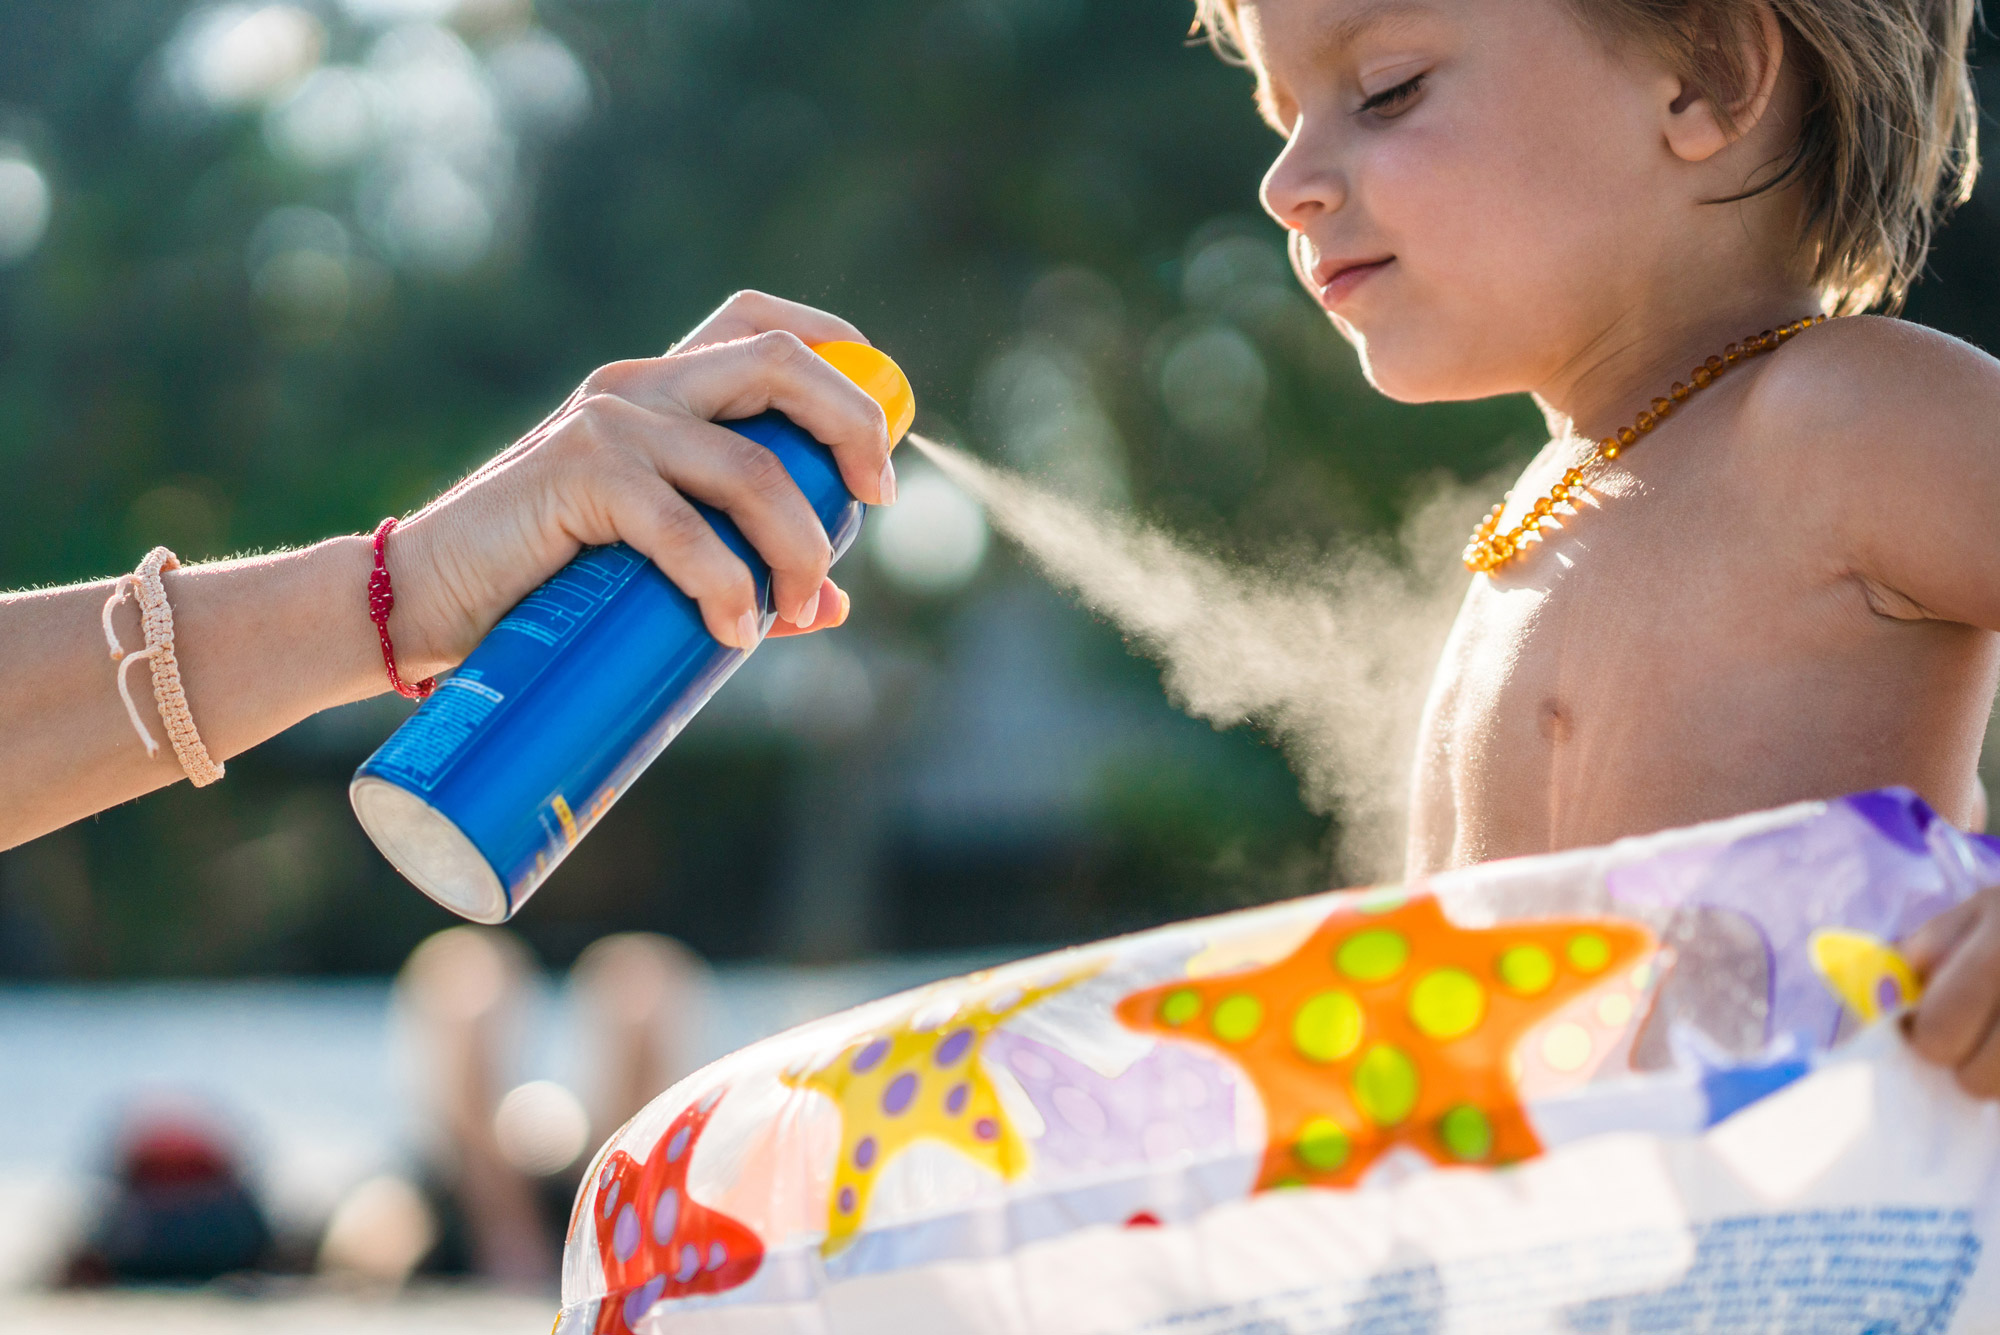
(1957, 954)
(619, 462)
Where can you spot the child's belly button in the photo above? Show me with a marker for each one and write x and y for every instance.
(1555, 721)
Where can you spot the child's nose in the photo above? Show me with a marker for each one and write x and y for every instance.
(1304, 183)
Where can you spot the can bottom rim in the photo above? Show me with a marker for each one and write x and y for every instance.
(430, 851)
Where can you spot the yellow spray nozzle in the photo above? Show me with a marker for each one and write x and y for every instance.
(879, 377)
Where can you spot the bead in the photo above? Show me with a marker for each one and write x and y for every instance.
(1489, 550)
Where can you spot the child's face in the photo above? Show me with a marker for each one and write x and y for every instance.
(1482, 186)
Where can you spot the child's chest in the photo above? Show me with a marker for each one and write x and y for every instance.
(1678, 651)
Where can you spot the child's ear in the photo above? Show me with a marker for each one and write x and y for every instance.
(1700, 122)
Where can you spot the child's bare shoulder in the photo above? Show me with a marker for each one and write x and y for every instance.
(1854, 393)
(1885, 436)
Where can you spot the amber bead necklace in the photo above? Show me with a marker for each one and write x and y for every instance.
(1489, 549)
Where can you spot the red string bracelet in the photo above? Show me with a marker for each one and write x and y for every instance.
(381, 602)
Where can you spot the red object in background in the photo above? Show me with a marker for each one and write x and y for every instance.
(170, 1153)
(179, 1210)
(655, 1242)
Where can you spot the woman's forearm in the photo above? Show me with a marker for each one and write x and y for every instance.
(266, 641)
(262, 643)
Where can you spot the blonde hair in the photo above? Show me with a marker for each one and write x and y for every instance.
(1889, 141)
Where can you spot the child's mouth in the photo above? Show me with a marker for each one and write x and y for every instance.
(1340, 279)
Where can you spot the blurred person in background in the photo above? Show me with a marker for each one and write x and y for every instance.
(502, 1165)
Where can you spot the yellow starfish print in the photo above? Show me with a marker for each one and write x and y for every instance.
(903, 1084)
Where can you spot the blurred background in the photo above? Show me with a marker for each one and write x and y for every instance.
(272, 271)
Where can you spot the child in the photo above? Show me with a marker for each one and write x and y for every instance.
(1775, 576)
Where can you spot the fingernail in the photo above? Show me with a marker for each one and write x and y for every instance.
(888, 482)
(846, 604)
(808, 611)
(746, 631)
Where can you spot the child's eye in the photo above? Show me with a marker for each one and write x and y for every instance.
(1392, 101)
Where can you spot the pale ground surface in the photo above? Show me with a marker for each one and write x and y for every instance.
(423, 1311)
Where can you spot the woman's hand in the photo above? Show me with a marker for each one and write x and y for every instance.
(621, 460)
(1957, 954)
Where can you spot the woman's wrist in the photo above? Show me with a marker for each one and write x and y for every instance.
(428, 633)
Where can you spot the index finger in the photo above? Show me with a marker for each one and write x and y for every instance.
(740, 379)
(1958, 1004)
(1933, 942)
(749, 313)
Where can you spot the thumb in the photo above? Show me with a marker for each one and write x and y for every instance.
(1933, 943)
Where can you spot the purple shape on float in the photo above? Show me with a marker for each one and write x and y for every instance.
(1168, 1103)
(1903, 816)
(625, 1234)
(899, 1093)
(640, 1301)
(1879, 862)
(953, 1047)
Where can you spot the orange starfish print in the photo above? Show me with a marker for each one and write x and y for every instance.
(1392, 1026)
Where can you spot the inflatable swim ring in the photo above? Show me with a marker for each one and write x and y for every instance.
(1512, 1097)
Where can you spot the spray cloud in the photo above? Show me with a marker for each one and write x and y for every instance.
(1330, 657)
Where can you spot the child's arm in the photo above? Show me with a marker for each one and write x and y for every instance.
(264, 642)
(1893, 432)
(1890, 434)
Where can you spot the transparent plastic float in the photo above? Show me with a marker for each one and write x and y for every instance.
(1653, 1086)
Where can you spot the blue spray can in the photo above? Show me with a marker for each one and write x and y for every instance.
(490, 784)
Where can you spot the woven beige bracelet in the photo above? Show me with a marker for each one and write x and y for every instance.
(158, 620)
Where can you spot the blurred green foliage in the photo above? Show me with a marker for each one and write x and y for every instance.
(990, 188)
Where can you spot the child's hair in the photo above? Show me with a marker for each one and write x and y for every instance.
(1889, 142)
